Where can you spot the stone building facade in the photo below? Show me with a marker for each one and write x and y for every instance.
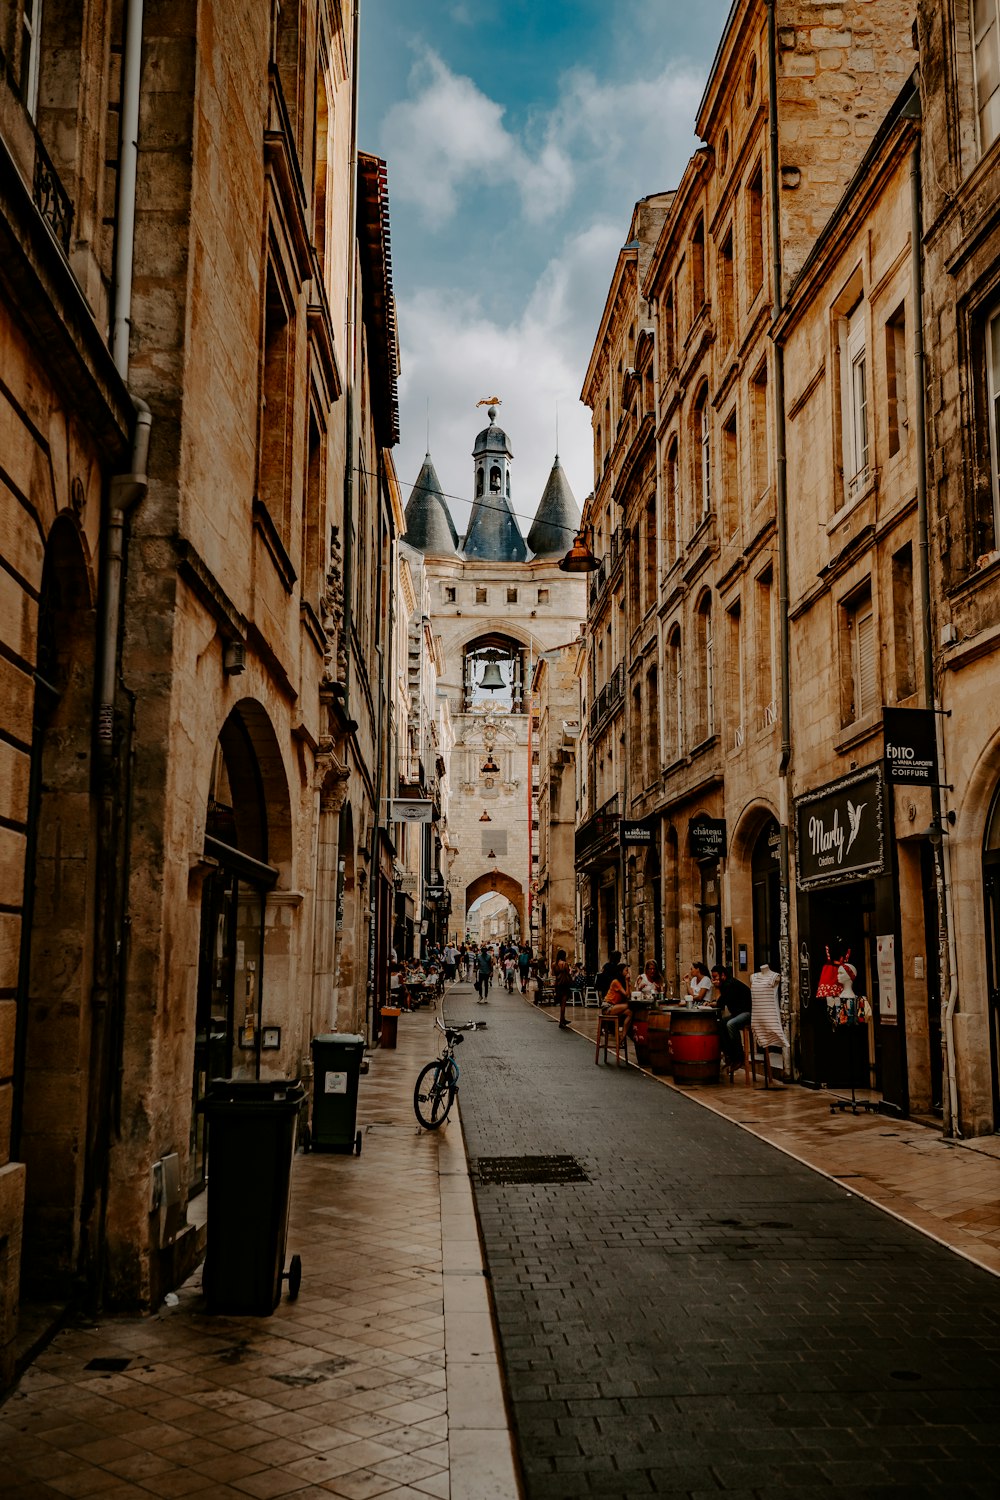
(497, 601)
(556, 735)
(792, 104)
(960, 173)
(199, 878)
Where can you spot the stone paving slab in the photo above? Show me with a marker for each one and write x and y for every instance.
(707, 1315)
(381, 1380)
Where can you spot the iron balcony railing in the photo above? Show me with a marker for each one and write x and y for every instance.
(599, 835)
(608, 698)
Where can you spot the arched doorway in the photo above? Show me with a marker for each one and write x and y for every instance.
(54, 1019)
(494, 882)
(765, 881)
(991, 895)
(248, 844)
(492, 918)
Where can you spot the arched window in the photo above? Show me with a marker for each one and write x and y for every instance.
(495, 480)
(706, 669)
(675, 697)
(701, 446)
(673, 503)
(480, 481)
(650, 564)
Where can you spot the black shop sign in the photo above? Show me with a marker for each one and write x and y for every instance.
(707, 837)
(638, 832)
(841, 831)
(910, 746)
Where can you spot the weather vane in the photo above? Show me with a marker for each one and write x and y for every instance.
(490, 401)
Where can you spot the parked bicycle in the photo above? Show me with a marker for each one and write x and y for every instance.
(437, 1084)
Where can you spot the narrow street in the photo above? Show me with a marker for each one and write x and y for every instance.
(704, 1314)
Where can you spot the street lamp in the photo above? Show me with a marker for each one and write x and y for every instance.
(580, 557)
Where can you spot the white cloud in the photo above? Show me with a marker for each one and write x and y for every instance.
(455, 353)
(450, 135)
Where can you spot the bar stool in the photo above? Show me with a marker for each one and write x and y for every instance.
(606, 1027)
(749, 1058)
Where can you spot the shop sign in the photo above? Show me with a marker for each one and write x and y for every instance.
(885, 962)
(841, 831)
(910, 746)
(434, 892)
(408, 881)
(707, 837)
(417, 811)
(640, 832)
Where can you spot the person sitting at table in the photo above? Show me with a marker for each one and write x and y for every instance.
(699, 986)
(650, 982)
(616, 1001)
(734, 997)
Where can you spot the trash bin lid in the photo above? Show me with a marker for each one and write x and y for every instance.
(345, 1038)
(252, 1091)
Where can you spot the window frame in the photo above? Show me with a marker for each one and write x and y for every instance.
(855, 403)
(983, 144)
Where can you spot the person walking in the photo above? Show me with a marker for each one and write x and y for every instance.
(523, 966)
(484, 973)
(562, 978)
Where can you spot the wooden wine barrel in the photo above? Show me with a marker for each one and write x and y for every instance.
(658, 1041)
(694, 1045)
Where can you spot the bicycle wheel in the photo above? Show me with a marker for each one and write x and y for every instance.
(434, 1094)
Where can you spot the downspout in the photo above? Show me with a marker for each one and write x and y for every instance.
(781, 521)
(942, 858)
(384, 650)
(124, 491)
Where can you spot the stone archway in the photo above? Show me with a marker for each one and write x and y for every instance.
(495, 881)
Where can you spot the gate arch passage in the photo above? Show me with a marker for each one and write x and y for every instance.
(495, 881)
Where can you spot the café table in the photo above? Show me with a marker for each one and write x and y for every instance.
(694, 1043)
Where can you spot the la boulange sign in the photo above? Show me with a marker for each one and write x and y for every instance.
(910, 746)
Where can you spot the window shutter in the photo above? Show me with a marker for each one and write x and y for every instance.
(865, 673)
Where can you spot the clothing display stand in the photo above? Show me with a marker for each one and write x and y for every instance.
(853, 1103)
(765, 1022)
(850, 1010)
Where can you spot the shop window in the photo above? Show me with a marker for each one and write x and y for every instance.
(895, 379)
(854, 402)
(986, 45)
(903, 653)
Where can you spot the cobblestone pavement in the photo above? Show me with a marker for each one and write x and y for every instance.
(706, 1315)
(380, 1380)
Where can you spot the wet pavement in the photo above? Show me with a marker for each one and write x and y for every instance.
(381, 1379)
(706, 1314)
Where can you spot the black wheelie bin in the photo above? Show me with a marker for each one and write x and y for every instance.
(251, 1140)
(336, 1059)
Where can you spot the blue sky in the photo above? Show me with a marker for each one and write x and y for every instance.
(518, 137)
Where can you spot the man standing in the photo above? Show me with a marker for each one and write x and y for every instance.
(484, 973)
(732, 996)
(523, 966)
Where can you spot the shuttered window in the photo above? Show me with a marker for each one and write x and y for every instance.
(865, 661)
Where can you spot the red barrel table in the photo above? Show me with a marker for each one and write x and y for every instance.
(694, 1044)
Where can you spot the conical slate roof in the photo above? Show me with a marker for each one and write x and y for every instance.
(493, 534)
(429, 526)
(557, 518)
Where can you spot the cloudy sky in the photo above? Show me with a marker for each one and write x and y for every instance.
(518, 135)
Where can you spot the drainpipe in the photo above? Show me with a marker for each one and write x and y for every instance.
(781, 520)
(384, 650)
(942, 858)
(128, 157)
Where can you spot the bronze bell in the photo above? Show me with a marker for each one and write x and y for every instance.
(579, 558)
(492, 678)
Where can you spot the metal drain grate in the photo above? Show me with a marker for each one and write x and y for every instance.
(108, 1366)
(513, 1171)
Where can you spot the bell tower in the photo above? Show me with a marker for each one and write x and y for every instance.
(491, 459)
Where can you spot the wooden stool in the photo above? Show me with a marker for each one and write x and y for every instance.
(749, 1059)
(606, 1025)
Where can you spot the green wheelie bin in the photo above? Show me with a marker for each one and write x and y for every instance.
(251, 1140)
(336, 1059)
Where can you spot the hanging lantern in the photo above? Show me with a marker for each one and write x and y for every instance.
(489, 766)
(484, 817)
(492, 678)
(580, 558)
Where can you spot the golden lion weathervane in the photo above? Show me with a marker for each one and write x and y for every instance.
(490, 401)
